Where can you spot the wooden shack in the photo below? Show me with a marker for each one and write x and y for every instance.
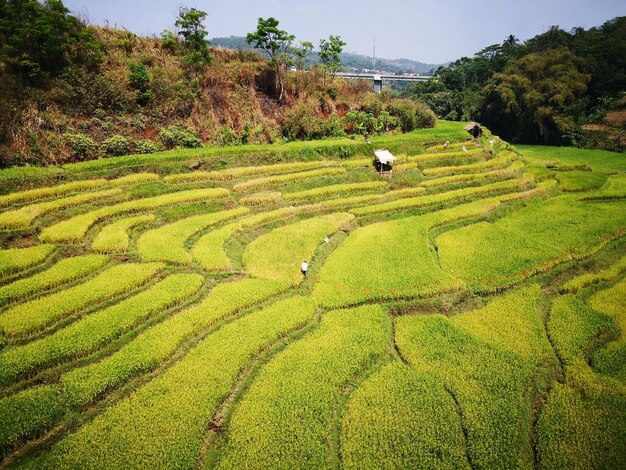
(473, 129)
(384, 160)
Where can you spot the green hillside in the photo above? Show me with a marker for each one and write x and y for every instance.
(462, 311)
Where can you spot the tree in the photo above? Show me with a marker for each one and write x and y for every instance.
(190, 27)
(38, 41)
(301, 52)
(329, 55)
(276, 43)
(537, 97)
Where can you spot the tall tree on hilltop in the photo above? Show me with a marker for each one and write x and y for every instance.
(301, 52)
(276, 43)
(329, 55)
(191, 28)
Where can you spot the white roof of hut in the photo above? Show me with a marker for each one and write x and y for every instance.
(384, 156)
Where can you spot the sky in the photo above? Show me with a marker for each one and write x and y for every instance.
(431, 31)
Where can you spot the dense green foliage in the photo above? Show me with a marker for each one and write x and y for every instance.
(543, 90)
(39, 39)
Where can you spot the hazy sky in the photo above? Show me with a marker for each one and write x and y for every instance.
(432, 31)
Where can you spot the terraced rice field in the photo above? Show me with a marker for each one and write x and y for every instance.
(466, 311)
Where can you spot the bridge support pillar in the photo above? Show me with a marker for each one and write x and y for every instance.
(378, 84)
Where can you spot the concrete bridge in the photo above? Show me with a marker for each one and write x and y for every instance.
(378, 78)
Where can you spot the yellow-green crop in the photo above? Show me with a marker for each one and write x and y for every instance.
(135, 178)
(97, 329)
(241, 172)
(167, 243)
(492, 255)
(404, 419)
(43, 193)
(498, 162)
(74, 229)
(114, 236)
(17, 259)
(391, 260)
(62, 272)
(323, 191)
(611, 360)
(427, 159)
(510, 171)
(23, 217)
(285, 178)
(292, 401)
(35, 314)
(164, 422)
(487, 358)
(261, 199)
(445, 197)
(209, 249)
(146, 351)
(588, 279)
(569, 433)
(278, 254)
(33, 410)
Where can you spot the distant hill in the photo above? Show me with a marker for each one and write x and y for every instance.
(350, 60)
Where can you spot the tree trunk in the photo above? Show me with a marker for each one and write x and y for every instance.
(280, 82)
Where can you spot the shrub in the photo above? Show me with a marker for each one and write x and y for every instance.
(116, 145)
(405, 113)
(179, 136)
(168, 40)
(227, 137)
(140, 80)
(147, 146)
(424, 116)
(83, 146)
(301, 123)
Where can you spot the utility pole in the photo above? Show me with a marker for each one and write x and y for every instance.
(374, 56)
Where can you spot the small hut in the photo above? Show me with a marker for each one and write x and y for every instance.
(384, 160)
(473, 129)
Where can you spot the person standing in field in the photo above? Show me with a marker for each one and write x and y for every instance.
(304, 268)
